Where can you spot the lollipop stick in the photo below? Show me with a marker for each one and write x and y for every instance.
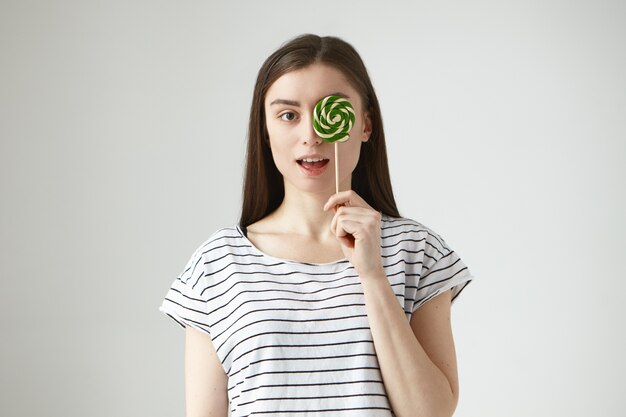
(336, 167)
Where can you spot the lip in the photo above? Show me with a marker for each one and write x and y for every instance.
(312, 156)
(313, 172)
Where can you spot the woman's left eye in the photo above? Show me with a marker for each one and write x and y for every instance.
(288, 116)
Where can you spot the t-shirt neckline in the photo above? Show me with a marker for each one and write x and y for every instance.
(291, 261)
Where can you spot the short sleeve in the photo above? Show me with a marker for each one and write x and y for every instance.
(184, 302)
(442, 270)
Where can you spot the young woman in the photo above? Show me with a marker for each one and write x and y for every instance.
(318, 303)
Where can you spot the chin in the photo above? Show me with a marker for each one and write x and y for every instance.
(312, 187)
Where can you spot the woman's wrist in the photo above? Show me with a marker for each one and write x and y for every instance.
(375, 275)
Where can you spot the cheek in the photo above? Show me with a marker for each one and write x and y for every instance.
(279, 155)
(277, 132)
(349, 155)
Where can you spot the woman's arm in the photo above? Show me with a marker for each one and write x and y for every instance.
(417, 359)
(206, 383)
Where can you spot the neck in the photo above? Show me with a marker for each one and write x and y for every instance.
(302, 212)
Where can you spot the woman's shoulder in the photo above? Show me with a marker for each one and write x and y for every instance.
(404, 229)
(223, 238)
(403, 224)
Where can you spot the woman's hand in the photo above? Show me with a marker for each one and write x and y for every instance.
(357, 227)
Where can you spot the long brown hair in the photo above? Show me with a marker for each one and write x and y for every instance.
(263, 188)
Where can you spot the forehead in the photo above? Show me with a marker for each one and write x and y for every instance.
(311, 84)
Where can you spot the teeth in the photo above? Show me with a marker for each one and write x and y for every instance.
(312, 159)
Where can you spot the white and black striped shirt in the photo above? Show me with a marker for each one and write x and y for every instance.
(293, 337)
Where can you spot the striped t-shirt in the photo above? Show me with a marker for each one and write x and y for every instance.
(293, 337)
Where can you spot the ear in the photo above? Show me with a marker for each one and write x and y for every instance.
(367, 126)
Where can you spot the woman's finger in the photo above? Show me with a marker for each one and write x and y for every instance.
(364, 225)
(349, 213)
(348, 198)
(347, 239)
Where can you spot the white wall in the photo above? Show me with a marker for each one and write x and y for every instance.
(122, 127)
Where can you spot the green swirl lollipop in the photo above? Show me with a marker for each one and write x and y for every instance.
(333, 118)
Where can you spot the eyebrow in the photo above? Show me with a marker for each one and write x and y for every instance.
(297, 103)
(287, 102)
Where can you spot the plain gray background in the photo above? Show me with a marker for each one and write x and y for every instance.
(122, 130)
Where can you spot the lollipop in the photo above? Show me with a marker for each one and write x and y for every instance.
(333, 118)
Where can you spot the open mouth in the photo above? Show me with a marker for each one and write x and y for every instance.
(313, 163)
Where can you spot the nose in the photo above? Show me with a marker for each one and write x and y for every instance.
(308, 135)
